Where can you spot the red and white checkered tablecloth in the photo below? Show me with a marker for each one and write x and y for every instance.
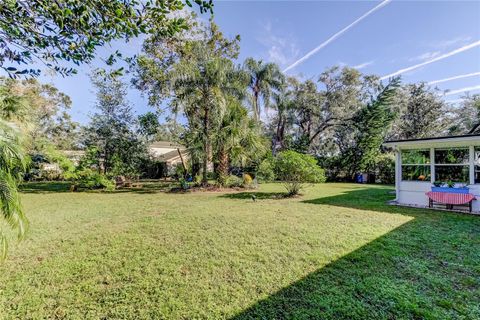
(450, 198)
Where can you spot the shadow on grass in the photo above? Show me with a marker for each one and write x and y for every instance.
(64, 186)
(258, 195)
(147, 187)
(364, 198)
(45, 187)
(427, 268)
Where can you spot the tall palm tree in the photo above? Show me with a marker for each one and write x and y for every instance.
(12, 165)
(238, 139)
(284, 105)
(264, 79)
(201, 85)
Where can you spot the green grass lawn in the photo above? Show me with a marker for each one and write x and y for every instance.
(338, 252)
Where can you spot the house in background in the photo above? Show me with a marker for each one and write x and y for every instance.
(169, 153)
(421, 162)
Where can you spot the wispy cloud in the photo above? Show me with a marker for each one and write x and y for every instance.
(335, 36)
(474, 88)
(438, 58)
(439, 46)
(426, 56)
(281, 50)
(455, 78)
(445, 44)
(363, 65)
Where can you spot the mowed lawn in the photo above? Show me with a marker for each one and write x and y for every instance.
(337, 252)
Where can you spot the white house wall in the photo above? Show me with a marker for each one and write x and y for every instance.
(413, 193)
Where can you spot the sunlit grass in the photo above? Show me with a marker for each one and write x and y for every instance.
(148, 254)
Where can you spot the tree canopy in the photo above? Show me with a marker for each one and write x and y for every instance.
(47, 31)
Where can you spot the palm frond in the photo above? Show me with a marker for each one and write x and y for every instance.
(12, 165)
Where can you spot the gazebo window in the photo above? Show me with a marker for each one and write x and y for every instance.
(452, 164)
(416, 165)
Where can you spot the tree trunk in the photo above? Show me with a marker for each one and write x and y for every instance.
(195, 168)
(206, 147)
(105, 158)
(256, 110)
(223, 166)
(276, 138)
(183, 163)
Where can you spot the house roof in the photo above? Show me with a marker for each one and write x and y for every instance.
(465, 140)
(166, 144)
(170, 156)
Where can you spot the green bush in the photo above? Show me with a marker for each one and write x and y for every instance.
(50, 156)
(385, 168)
(295, 169)
(56, 156)
(266, 170)
(90, 179)
(233, 181)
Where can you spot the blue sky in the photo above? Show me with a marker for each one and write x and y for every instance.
(398, 35)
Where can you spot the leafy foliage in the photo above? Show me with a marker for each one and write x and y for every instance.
(148, 125)
(41, 111)
(467, 117)
(12, 167)
(266, 170)
(295, 169)
(197, 76)
(372, 123)
(72, 30)
(118, 147)
(233, 181)
(89, 179)
(422, 113)
(264, 80)
(385, 167)
(237, 139)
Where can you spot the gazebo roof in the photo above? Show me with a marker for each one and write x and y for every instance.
(465, 140)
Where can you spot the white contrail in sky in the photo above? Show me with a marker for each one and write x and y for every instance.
(449, 93)
(443, 56)
(362, 65)
(335, 36)
(455, 78)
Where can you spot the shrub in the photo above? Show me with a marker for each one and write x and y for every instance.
(233, 181)
(295, 169)
(184, 185)
(121, 168)
(90, 179)
(50, 164)
(51, 175)
(385, 167)
(266, 170)
(176, 171)
(247, 180)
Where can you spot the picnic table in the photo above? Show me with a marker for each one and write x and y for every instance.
(450, 199)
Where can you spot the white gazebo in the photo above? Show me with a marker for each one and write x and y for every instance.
(421, 162)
